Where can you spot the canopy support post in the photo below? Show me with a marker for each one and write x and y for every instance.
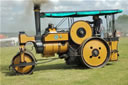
(113, 25)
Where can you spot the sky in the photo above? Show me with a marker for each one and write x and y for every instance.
(18, 15)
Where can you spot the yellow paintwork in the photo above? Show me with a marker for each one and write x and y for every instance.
(23, 69)
(24, 38)
(56, 37)
(87, 52)
(75, 27)
(22, 57)
(52, 30)
(51, 48)
(113, 46)
(22, 53)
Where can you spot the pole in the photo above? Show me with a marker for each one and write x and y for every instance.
(113, 26)
(37, 19)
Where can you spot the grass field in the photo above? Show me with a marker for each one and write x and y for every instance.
(58, 73)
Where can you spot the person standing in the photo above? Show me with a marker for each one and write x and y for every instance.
(96, 25)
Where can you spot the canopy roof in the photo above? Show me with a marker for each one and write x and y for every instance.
(79, 13)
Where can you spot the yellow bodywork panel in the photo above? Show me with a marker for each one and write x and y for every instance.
(23, 38)
(51, 48)
(114, 50)
(56, 37)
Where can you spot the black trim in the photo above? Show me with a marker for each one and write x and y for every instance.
(22, 32)
(39, 44)
(23, 64)
(22, 43)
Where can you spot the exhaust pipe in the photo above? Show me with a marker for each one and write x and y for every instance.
(38, 43)
(37, 19)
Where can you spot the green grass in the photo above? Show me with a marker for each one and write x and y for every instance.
(58, 73)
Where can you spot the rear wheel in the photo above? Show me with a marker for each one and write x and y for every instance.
(23, 69)
(95, 53)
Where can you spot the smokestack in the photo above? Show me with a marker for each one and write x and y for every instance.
(37, 19)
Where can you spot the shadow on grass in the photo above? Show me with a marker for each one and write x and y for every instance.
(5, 70)
(108, 64)
(61, 66)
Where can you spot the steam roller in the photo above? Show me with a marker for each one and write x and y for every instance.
(77, 46)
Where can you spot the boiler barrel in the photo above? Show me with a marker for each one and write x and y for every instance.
(51, 48)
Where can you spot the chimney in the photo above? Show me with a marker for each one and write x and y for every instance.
(37, 19)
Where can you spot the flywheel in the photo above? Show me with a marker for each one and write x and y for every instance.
(95, 52)
(80, 31)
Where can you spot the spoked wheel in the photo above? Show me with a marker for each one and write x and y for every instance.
(95, 53)
(28, 57)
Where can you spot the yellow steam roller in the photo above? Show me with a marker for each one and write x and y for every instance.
(85, 43)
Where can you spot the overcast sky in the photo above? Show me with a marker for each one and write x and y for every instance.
(17, 15)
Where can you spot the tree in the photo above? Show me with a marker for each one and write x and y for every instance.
(122, 23)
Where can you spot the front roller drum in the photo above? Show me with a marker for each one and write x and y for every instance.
(28, 57)
(95, 53)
